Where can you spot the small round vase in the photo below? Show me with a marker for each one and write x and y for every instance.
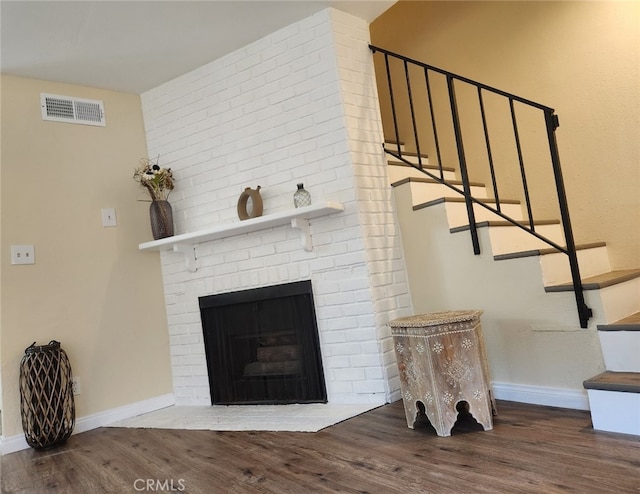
(161, 216)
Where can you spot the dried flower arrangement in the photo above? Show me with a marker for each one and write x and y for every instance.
(156, 180)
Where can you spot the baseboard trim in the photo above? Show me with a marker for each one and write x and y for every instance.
(539, 395)
(100, 419)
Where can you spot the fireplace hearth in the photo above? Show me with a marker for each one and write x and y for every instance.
(262, 346)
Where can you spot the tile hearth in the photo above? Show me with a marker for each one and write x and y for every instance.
(286, 418)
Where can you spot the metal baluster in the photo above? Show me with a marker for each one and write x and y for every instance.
(433, 123)
(413, 115)
(489, 154)
(393, 104)
(463, 167)
(521, 161)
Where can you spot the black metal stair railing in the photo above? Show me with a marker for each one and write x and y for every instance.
(407, 73)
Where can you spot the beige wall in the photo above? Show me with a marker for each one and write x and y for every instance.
(581, 58)
(91, 289)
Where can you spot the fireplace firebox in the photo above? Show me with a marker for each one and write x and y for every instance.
(262, 346)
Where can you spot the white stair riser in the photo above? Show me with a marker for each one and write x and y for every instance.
(414, 159)
(398, 172)
(422, 192)
(509, 239)
(394, 147)
(621, 300)
(457, 213)
(621, 350)
(556, 270)
(615, 411)
(411, 158)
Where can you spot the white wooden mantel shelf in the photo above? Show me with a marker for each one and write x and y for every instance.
(298, 218)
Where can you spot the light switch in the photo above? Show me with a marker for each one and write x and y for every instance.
(108, 217)
(23, 254)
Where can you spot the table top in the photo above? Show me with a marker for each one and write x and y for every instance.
(435, 319)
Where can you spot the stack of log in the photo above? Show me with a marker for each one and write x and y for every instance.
(274, 358)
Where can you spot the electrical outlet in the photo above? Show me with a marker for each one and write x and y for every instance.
(23, 254)
(75, 385)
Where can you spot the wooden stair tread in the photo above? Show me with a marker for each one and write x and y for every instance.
(441, 200)
(427, 180)
(598, 281)
(628, 382)
(629, 323)
(424, 165)
(413, 153)
(501, 223)
(508, 223)
(542, 252)
(461, 199)
(393, 147)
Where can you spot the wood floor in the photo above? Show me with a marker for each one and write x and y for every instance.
(530, 450)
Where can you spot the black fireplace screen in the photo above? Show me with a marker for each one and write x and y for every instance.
(262, 346)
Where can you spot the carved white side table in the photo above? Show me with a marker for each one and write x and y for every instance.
(442, 361)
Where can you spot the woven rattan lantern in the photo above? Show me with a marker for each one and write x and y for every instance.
(46, 395)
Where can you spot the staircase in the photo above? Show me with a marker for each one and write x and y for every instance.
(527, 273)
(524, 284)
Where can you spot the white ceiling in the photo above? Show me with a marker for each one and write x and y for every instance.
(133, 46)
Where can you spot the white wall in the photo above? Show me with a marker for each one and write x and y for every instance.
(296, 106)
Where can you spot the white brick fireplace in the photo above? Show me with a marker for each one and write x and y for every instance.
(299, 105)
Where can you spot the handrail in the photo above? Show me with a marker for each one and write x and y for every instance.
(551, 124)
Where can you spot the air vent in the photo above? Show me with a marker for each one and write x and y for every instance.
(72, 110)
